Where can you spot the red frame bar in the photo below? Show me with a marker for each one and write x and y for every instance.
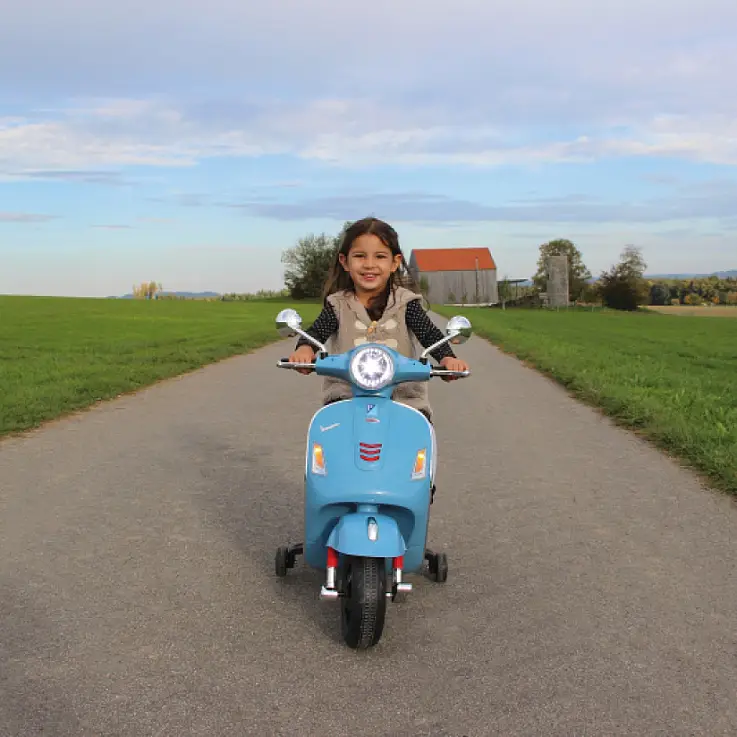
(332, 558)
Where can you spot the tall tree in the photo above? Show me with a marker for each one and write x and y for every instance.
(578, 274)
(631, 263)
(308, 263)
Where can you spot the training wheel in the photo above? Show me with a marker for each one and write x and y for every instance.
(440, 569)
(280, 561)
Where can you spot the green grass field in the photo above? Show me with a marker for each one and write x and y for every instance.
(60, 355)
(673, 379)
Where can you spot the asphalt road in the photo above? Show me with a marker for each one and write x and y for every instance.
(592, 586)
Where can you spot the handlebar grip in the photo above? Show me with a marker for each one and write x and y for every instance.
(446, 372)
(287, 364)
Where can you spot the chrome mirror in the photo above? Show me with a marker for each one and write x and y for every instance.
(288, 323)
(459, 328)
(457, 331)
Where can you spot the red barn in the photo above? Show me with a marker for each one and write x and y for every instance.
(455, 275)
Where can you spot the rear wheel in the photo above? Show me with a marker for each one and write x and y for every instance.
(363, 604)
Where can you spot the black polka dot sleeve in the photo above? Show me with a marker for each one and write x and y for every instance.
(324, 326)
(426, 331)
(417, 320)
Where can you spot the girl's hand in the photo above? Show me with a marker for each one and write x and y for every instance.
(303, 354)
(453, 364)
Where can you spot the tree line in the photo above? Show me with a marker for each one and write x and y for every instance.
(147, 290)
(705, 290)
(624, 285)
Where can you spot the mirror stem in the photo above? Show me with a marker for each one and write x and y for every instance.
(429, 350)
(312, 340)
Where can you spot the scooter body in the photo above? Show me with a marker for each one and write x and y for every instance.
(368, 458)
(370, 466)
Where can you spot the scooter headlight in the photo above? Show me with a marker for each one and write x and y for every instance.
(372, 368)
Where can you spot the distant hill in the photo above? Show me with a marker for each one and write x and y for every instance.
(720, 274)
(188, 295)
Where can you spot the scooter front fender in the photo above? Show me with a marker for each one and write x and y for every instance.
(350, 536)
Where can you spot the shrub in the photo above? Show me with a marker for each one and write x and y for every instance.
(622, 292)
(623, 286)
(659, 294)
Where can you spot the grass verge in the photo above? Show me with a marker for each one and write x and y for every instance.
(60, 355)
(674, 381)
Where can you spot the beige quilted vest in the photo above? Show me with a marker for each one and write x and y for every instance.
(356, 327)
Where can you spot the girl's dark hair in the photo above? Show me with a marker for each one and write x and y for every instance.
(339, 279)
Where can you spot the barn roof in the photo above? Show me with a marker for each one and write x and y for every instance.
(452, 259)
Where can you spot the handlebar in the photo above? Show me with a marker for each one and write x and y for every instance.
(285, 363)
(446, 372)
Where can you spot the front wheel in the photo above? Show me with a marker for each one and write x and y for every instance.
(363, 604)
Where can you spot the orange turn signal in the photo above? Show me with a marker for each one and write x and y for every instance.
(420, 464)
(318, 460)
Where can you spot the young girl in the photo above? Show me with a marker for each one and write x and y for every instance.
(366, 301)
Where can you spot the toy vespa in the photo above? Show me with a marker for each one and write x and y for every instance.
(369, 481)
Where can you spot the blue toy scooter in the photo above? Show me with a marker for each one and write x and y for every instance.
(369, 470)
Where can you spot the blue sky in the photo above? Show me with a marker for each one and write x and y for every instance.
(193, 142)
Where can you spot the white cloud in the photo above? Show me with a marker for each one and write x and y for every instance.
(122, 133)
(470, 83)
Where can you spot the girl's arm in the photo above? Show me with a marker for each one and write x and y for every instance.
(324, 326)
(426, 331)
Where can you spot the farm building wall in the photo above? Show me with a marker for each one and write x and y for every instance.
(460, 286)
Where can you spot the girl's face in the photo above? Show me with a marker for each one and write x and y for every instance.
(370, 263)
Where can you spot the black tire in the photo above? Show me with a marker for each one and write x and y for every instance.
(363, 604)
(280, 561)
(441, 568)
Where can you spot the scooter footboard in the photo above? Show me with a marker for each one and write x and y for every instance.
(356, 534)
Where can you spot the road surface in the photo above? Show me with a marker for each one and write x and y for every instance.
(592, 586)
